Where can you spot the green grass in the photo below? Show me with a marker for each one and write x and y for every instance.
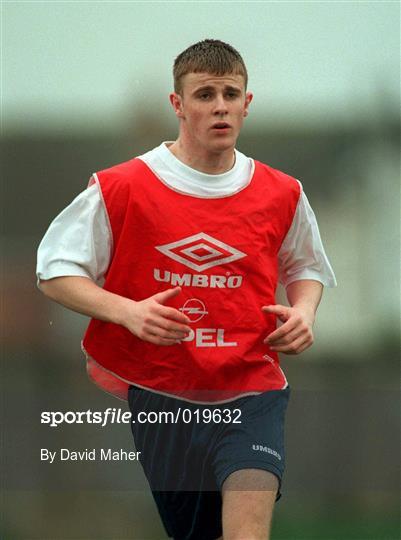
(336, 529)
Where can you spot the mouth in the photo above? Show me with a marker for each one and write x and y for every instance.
(221, 126)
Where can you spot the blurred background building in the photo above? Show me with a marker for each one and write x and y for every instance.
(84, 86)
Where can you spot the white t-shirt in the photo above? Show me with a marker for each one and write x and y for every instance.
(78, 241)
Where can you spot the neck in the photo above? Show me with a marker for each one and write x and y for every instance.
(204, 161)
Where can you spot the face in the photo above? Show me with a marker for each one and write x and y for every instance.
(211, 110)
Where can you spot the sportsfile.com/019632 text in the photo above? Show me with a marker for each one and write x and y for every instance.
(113, 415)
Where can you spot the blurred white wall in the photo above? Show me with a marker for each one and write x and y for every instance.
(83, 63)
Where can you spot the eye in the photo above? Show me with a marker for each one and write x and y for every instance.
(204, 96)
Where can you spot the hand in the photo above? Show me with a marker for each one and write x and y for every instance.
(295, 335)
(152, 321)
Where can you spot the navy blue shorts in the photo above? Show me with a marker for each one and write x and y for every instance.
(189, 449)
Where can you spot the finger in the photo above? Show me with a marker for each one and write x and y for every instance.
(280, 311)
(164, 296)
(279, 333)
(304, 346)
(162, 328)
(174, 314)
(295, 347)
(159, 340)
(285, 339)
(168, 324)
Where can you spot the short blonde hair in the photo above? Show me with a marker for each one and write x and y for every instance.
(208, 56)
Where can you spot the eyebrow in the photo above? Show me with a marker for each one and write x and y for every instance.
(212, 88)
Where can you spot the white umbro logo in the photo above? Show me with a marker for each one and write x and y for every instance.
(261, 448)
(201, 252)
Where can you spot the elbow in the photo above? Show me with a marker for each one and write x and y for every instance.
(42, 285)
(45, 287)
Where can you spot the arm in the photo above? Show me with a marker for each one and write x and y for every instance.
(303, 270)
(295, 335)
(148, 319)
(75, 253)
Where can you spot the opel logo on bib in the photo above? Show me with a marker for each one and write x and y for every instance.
(194, 309)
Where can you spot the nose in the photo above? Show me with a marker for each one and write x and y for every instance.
(220, 105)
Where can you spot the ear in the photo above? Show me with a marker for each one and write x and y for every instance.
(176, 102)
(248, 99)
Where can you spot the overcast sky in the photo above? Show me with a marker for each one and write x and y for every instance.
(92, 60)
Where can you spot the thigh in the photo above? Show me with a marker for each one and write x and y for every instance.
(248, 502)
(176, 464)
(256, 443)
(175, 457)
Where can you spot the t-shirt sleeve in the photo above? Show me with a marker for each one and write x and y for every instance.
(302, 254)
(78, 241)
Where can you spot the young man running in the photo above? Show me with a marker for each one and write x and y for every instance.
(176, 256)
